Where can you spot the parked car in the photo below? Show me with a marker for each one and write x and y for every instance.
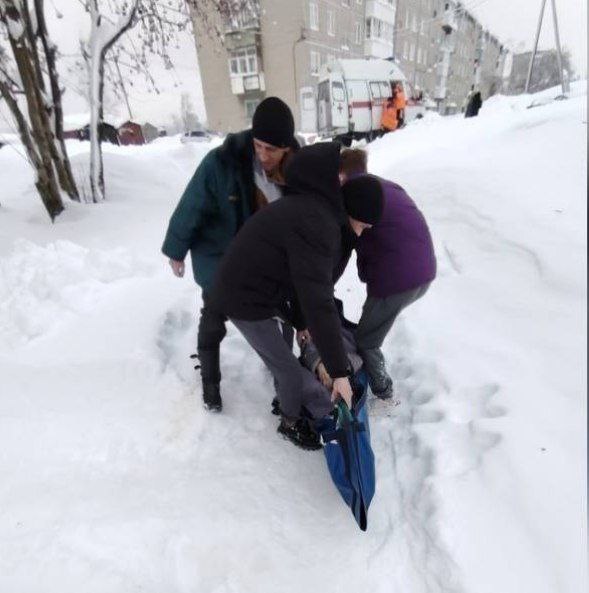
(195, 136)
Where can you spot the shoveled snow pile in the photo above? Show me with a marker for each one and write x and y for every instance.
(115, 479)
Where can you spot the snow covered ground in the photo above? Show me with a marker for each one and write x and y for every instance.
(114, 478)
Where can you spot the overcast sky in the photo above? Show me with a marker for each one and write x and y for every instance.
(512, 21)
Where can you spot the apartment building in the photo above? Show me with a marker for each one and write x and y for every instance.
(545, 74)
(415, 42)
(278, 47)
(444, 51)
(489, 64)
(275, 49)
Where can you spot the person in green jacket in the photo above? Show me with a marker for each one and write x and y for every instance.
(231, 183)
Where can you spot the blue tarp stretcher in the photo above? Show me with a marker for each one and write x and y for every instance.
(349, 456)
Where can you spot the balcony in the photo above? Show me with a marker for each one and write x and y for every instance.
(380, 10)
(241, 39)
(242, 20)
(241, 30)
(242, 84)
(378, 48)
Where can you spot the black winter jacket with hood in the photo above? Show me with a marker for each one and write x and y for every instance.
(287, 252)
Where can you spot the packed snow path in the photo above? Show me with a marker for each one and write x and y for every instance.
(115, 479)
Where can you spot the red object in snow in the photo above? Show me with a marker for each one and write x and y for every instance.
(131, 133)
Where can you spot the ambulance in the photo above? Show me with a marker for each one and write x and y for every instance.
(347, 104)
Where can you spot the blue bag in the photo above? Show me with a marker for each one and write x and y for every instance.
(348, 453)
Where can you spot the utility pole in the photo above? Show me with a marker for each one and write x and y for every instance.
(558, 48)
(417, 42)
(565, 86)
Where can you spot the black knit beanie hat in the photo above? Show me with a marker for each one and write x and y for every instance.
(363, 198)
(273, 123)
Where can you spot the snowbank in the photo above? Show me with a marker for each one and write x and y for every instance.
(115, 479)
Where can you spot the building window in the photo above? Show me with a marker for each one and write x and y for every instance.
(358, 32)
(419, 55)
(412, 52)
(405, 51)
(244, 61)
(315, 62)
(377, 29)
(415, 29)
(407, 21)
(313, 16)
(331, 23)
(250, 108)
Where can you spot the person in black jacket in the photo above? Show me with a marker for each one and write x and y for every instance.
(281, 264)
(474, 105)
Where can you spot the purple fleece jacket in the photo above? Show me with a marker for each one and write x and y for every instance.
(396, 254)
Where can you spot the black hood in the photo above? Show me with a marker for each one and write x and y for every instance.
(315, 170)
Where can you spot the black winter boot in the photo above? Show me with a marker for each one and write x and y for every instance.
(211, 378)
(275, 406)
(300, 432)
(211, 395)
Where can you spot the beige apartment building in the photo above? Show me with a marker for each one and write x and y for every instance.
(279, 48)
(277, 51)
(443, 50)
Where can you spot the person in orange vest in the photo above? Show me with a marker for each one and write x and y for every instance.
(388, 119)
(400, 103)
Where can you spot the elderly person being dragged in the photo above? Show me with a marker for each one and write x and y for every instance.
(281, 265)
(395, 259)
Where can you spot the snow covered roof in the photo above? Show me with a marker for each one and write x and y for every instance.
(74, 121)
(362, 69)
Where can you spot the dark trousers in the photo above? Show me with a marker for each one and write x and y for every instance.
(378, 316)
(211, 331)
(296, 386)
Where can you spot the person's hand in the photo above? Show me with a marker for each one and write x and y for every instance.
(324, 376)
(343, 389)
(303, 337)
(177, 267)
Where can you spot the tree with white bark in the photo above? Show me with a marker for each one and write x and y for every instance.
(29, 85)
(158, 22)
(28, 73)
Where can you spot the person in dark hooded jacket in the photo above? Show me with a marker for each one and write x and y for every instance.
(287, 254)
(475, 102)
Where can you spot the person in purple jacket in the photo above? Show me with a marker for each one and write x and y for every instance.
(395, 258)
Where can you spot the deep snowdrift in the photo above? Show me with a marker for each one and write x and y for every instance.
(115, 479)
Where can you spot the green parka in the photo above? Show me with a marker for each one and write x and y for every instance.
(214, 205)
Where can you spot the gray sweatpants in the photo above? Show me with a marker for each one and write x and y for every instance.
(378, 316)
(296, 386)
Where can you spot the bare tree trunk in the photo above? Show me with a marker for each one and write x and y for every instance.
(45, 182)
(60, 156)
(17, 20)
(102, 38)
